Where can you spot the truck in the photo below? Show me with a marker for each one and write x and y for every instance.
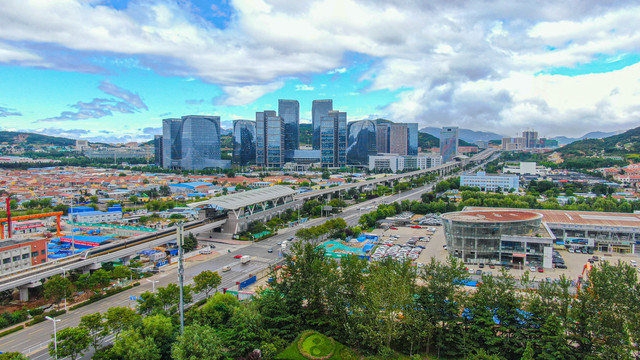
(245, 259)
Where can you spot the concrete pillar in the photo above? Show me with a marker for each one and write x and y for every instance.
(125, 260)
(24, 293)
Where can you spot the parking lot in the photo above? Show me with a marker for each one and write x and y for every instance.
(433, 248)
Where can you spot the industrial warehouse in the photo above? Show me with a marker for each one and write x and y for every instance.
(528, 236)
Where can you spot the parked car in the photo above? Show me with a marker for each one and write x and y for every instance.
(533, 269)
(393, 228)
(561, 266)
(491, 266)
(237, 256)
(270, 250)
(481, 266)
(540, 269)
(478, 272)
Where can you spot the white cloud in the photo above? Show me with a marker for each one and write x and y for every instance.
(469, 63)
(304, 87)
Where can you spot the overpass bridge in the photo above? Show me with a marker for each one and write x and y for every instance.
(92, 259)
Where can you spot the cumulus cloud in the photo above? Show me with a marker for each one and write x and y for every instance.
(152, 131)
(467, 63)
(129, 103)
(4, 112)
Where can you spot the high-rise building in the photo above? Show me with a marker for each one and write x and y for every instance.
(157, 146)
(530, 139)
(382, 138)
(398, 136)
(362, 141)
(319, 108)
(333, 139)
(289, 111)
(513, 143)
(244, 142)
(192, 143)
(448, 143)
(412, 141)
(269, 139)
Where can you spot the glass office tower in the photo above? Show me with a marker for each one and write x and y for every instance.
(362, 141)
(319, 108)
(333, 139)
(448, 143)
(244, 142)
(382, 138)
(192, 143)
(412, 138)
(157, 146)
(289, 111)
(269, 139)
(398, 136)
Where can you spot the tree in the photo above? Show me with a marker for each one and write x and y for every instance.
(119, 319)
(93, 199)
(162, 331)
(165, 190)
(72, 342)
(13, 356)
(132, 345)
(133, 199)
(99, 280)
(206, 281)
(96, 328)
(196, 343)
(190, 243)
(58, 288)
(244, 331)
(169, 296)
(121, 272)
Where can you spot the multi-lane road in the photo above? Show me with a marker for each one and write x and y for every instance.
(34, 340)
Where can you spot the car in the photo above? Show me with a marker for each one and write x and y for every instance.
(393, 228)
(290, 239)
(491, 266)
(507, 267)
(540, 270)
(415, 226)
(481, 266)
(279, 242)
(237, 256)
(270, 250)
(533, 269)
(577, 251)
(471, 271)
(226, 268)
(595, 258)
(561, 266)
(571, 250)
(478, 272)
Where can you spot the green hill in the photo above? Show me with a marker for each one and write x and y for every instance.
(622, 144)
(24, 138)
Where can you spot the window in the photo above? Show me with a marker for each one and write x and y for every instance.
(6, 261)
(42, 252)
(25, 256)
(16, 258)
(34, 254)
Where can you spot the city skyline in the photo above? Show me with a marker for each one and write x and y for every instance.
(112, 70)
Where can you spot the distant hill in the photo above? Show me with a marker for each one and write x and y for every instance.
(427, 141)
(621, 144)
(24, 138)
(305, 134)
(465, 134)
(563, 140)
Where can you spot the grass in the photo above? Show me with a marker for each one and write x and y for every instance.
(317, 345)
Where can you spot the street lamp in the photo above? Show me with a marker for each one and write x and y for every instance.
(181, 273)
(153, 282)
(64, 275)
(55, 335)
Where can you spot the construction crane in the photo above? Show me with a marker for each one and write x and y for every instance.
(9, 219)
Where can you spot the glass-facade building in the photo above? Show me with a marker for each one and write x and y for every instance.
(333, 139)
(289, 111)
(269, 139)
(382, 138)
(192, 143)
(362, 141)
(398, 137)
(157, 146)
(244, 142)
(319, 109)
(412, 138)
(495, 236)
(448, 143)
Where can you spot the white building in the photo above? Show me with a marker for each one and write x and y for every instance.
(395, 162)
(490, 182)
(525, 168)
(97, 216)
(513, 143)
(82, 145)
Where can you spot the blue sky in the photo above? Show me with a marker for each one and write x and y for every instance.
(111, 70)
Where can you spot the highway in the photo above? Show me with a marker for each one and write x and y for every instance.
(33, 340)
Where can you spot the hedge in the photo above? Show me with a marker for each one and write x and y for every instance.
(12, 330)
(36, 320)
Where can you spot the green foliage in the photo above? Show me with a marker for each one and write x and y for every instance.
(196, 343)
(132, 345)
(13, 356)
(206, 281)
(119, 319)
(72, 343)
(190, 243)
(96, 328)
(58, 288)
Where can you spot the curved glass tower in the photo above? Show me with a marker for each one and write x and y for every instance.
(289, 111)
(362, 142)
(192, 143)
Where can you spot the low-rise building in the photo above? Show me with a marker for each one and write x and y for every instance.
(490, 182)
(17, 254)
(525, 168)
(395, 162)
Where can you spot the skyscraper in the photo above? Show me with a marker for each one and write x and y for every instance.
(333, 139)
(289, 111)
(412, 138)
(192, 143)
(530, 139)
(362, 141)
(269, 139)
(448, 143)
(398, 138)
(319, 108)
(244, 142)
(157, 146)
(382, 138)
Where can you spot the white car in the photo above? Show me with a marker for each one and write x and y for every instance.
(533, 269)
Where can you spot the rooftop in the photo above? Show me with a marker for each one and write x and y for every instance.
(251, 197)
(492, 215)
(594, 218)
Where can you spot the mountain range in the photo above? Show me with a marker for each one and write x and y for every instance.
(465, 134)
(563, 140)
(619, 144)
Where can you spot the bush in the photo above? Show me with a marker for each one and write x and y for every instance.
(98, 297)
(54, 313)
(36, 311)
(11, 331)
(36, 320)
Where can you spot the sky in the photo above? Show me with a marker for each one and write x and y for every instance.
(112, 70)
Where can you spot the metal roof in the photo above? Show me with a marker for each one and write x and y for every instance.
(246, 198)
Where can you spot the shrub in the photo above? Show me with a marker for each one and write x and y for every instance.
(36, 311)
(36, 319)
(11, 331)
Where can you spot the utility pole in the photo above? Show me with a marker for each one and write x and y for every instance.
(181, 274)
